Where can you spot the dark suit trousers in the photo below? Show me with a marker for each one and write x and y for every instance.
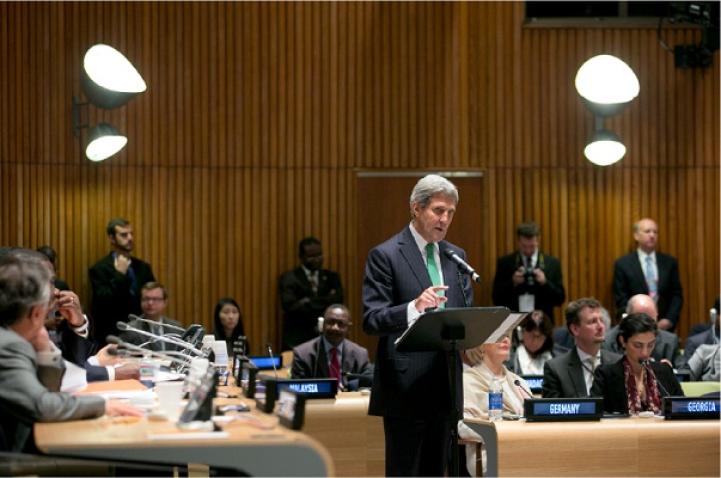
(416, 447)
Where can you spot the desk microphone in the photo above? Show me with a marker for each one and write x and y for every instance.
(518, 384)
(645, 364)
(156, 323)
(462, 265)
(180, 343)
(272, 359)
(112, 339)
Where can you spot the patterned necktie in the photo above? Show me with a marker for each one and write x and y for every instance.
(651, 279)
(591, 367)
(432, 268)
(313, 279)
(334, 364)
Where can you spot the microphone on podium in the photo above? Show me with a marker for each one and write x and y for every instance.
(462, 265)
(180, 343)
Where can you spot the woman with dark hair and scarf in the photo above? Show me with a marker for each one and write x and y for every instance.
(228, 323)
(532, 344)
(635, 384)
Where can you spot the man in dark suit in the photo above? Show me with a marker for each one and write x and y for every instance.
(571, 375)
(332, 355)
(305, 292)
(646, 271)
(404, 276)
(667, 343)
(116, 280)
(528, 279)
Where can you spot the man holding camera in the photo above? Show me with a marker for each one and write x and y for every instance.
(528, 279)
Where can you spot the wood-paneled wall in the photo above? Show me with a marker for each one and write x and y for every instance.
(257, 117)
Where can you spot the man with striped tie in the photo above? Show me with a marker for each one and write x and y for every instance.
(405, 276)
(646, 271)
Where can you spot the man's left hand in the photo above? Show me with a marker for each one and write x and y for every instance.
(68, 305)
(540, 276)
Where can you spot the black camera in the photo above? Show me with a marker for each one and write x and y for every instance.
(528, 276)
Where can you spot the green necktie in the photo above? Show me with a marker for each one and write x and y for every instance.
(433, 269)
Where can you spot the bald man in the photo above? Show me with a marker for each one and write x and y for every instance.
(667, 344)
(646, 271)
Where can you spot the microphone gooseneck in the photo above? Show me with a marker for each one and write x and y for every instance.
(272, 359)
(462, 265)
(180, 343)
(156, 323)
(518, 384)
(112, 339)
(645, 363)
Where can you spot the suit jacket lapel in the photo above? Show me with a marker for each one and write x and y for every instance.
(322, 364)
(638, 271)
(409, 251)
(661, 267)
(575, 373)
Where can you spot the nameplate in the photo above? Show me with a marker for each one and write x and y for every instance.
(535, 382)
(291, 409)
(246, 377)
(311, 388)
(689, 408)
(266, 363)
(563, 409)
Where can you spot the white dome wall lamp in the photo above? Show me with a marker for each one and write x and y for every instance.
(109, 80)
(606, 84)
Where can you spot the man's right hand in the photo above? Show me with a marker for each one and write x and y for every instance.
(518, 276)
(122, 262)
(106, 357)
(429, 299)
(127, 371)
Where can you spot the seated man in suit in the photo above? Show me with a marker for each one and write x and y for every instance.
(332, 354)
(26, 353)
(68, 326)
(709, 336)
(666, 349)
(571, 375)
(646, 271)
(563, 340)
(153, 302)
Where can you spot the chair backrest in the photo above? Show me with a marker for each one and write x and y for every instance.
(697, 389)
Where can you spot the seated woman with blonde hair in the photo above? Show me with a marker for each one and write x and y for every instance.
(481, 365)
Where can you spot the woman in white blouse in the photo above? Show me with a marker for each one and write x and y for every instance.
(481, 365)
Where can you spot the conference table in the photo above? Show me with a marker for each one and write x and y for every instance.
(339, 438)
(609, 447)
(254, 443)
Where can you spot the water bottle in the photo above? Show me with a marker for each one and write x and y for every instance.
(495, 400)
(147, 371)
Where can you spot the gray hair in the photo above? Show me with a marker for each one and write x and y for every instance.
(24, 284)
(430, 185)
